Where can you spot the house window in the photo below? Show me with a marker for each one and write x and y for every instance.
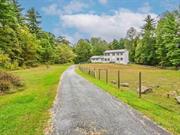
(121, 58)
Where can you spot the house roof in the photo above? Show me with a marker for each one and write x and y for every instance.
(111, 51)
(101, 56)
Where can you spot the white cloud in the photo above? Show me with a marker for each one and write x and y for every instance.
(105, 26)
(146, 8)
(103, 1)
(74, 7)
(52, 9)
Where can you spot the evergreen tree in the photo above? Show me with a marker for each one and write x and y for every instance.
(146, 48)
(18, 10)
(33, 20)
(7, 14)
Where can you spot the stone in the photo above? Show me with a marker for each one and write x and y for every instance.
(145, 89)
(157, 86)
(113, 82)
(124, 84)
(178, 99)
(172, 94)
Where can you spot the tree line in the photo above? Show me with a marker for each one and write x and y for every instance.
(158, 43)
(24, 43)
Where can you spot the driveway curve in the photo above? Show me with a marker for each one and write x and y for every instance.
(81, 108)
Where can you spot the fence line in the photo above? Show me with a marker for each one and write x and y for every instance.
(96, 73)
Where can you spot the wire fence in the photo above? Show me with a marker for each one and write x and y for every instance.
(142, 82)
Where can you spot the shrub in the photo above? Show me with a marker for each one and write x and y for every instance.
(5, 86)
(9, 81)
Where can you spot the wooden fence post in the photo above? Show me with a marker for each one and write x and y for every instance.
(99, 73)
(140, 84)
(89, 71)
(118, 79)
(106, 75)
(94, 73)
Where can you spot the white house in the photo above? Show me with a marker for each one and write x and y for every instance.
(112, 56)
(97, 59)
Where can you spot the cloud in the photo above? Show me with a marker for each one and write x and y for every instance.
(103, 1)
(52, 9)
(74, 7)
(105, 26)
(146, 8)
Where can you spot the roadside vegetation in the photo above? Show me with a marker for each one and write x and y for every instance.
(9, 82)
(156, 104)
(26, 112)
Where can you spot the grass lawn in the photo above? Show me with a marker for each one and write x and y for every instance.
(26, 112)
(164, 111)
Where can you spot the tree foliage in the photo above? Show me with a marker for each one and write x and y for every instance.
(23, 42)
(83, 51)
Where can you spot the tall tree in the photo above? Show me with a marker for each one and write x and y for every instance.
(33, 20)
(114, 44)
(7, 14)
(82, 51)
(29, 46)
(98, 46)
(131, 42)
(64, 54)
(121, 43)
(18, 10)
(145, 53)
(168, 40)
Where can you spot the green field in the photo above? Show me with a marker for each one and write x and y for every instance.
(165, 111)
(26, 112)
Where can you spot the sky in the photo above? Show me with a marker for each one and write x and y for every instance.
(107, 19)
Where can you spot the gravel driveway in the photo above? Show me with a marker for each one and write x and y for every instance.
(81, 108)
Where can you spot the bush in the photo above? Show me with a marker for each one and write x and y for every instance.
(9, 81)
(5, 86)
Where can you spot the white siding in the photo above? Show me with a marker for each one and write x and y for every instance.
(112, 56)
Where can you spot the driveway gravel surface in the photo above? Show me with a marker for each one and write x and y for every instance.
(82, 108)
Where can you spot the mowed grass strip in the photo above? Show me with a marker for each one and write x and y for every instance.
(26, 112)
(164, 111)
